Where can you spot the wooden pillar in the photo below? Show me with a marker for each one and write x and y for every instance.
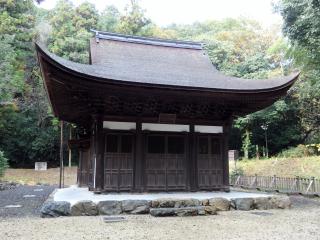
(70, 151)
(98, 148)
(226, 132)
(61, 180)
(79, 175)
(138, 166)
(192, 166)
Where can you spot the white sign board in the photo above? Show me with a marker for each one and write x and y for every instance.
(40, 166)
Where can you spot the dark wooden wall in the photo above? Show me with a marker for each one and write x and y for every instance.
(203, 164)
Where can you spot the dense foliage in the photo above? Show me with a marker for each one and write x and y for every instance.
(3, 163)
(26, 130)
(301, 26)
(240, 47)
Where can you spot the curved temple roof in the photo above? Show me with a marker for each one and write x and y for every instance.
(122, 61)
(152, 61)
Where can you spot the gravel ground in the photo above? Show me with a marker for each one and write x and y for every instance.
(301, 222)
(30, 198)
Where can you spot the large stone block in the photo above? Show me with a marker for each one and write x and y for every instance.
(205, 202)
(282, 202)
(141, 210)
(162, 212)
(244, 204)
(187, 203)
(221, 204)
(154, 204)
(84, 208)
(109, 207)
(187, 211)
(181, 212)
(262, 203)
(55, 209)
(166, 202)
(135, 206)
(210, 210)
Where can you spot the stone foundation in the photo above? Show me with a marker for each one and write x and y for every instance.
(163, 207)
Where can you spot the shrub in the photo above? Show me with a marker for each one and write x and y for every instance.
(3, 163)
(315, 148)
(299, 151)
(237, 171)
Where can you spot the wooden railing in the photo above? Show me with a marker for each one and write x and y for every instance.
(275, 183)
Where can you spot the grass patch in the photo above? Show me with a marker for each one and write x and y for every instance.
(32, 177)
(282, 167)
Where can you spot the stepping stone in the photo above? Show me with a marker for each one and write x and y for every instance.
(13, 206)
(108, 219)
(29, 196)
(262, 213)
(181, 212)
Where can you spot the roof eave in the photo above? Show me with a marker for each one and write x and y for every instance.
(291, 79)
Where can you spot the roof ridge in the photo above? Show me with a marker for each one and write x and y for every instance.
(147, 40)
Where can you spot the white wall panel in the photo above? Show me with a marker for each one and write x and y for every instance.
(119, 125)
(165, 127)
(208, 129)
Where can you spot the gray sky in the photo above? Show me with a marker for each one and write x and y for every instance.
(164, 12)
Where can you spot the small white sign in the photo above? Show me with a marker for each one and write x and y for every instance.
(13, 206)
(29, 196)
(40, 166)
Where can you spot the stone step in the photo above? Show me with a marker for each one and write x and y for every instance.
(175, 203)
(182, 211)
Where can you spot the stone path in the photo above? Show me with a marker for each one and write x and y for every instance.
(23, 201)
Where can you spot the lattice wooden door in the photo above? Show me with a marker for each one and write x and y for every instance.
(166, 161)
(209, 160)
(118, 162)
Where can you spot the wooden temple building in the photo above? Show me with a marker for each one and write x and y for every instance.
(155, 113)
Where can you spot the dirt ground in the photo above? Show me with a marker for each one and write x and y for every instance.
(32, 177)
(301, 222)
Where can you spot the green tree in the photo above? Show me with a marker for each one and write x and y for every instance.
(242, 48)
(3, 163)
(11, 74)
(134, 19)
(16, 33)
(25, 124)
(301, 26)
(109, 19)
(71, 30)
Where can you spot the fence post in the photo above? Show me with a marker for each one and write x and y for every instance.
(298, 183)
(274, 182)
(311, 184)
(254, 182)
(238, 180)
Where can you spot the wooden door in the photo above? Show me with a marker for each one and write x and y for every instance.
(210, 163)
(165, 167)
(118, 162)
(84, 167)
